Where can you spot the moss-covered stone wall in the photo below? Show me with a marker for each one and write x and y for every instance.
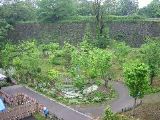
(134, 33)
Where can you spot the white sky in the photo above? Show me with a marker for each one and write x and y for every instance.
(143, 3)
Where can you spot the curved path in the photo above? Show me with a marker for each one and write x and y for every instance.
(79, 112)
(123, 101)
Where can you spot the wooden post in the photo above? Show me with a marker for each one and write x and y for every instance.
(37, 107)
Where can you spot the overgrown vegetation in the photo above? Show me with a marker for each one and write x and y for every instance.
(76, 74)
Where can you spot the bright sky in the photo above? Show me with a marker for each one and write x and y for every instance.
(143, 3)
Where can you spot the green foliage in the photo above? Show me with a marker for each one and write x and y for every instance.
(77, 19)
(24, 58)
(127, 7)
(97, 97)
(152, 10)
(4, 27)
(80, 82)
(18, 11)
(107, 18)
(110, 7)
(3, 83)
(55, 10)
(52, 47)
(121, 50)
(67, 50)
(109, 115)
(90, 62)
(129, 18)
(27, 60)
(84, 7)
(150, 54)
(53, 74)
(38, 116)
(151, 90)
(7, 55)
(136, 78)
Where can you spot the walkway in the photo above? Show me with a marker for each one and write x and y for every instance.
(58, 109)
(123, 101)
(67, 113)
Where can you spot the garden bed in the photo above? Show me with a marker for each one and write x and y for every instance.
(102, 94)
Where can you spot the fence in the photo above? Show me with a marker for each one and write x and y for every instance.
(19, 112)
(23, 106)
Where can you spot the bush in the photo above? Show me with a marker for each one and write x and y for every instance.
(3, 84)
(131, 18)
(96, 97)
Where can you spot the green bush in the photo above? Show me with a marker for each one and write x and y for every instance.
(3, 84)
(96, 97)
(131, 18)
(77, 19)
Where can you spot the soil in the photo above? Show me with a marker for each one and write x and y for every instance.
(147, 111)
(156, 82)
(150, 109)
(29, 118)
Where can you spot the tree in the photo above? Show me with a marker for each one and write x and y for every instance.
(136, 78)
(4, 28)
(150, 54)
(152, 10)
(27, 62)
(84, 8)
(18, 11)
(99, 14)
(54, 10)
(121, 50)
(110, 7)
(7, 54)
(127, 7)
(89, 63)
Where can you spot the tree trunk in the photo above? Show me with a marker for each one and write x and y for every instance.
(135, 102)
(151, 78)
(106, 83)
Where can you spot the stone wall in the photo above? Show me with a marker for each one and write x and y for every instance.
(133, 33)
(72, 33)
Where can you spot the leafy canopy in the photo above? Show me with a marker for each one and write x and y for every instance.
(150, 53)
(54, 10)
(136, 78)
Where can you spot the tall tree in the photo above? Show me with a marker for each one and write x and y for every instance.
(54, 10)
(152, 10)
(110, 7)
(136, 78)
(127, 7)
(18, 11)
(99, 14)
(84, 7)
(151, 55)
